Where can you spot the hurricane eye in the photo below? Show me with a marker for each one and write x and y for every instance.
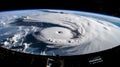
(59, 32)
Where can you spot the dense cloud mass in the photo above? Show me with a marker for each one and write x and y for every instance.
(54, 32)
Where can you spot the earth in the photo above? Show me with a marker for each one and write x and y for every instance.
(58, 32)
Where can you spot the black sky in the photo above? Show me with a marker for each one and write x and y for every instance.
(110, 7)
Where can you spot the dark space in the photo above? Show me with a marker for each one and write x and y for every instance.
(108, 7)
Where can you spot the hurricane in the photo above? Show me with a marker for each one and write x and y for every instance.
(57, 32)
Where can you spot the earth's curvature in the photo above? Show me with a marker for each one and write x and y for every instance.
(58, 32)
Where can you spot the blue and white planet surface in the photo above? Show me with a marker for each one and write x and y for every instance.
(58, 32)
